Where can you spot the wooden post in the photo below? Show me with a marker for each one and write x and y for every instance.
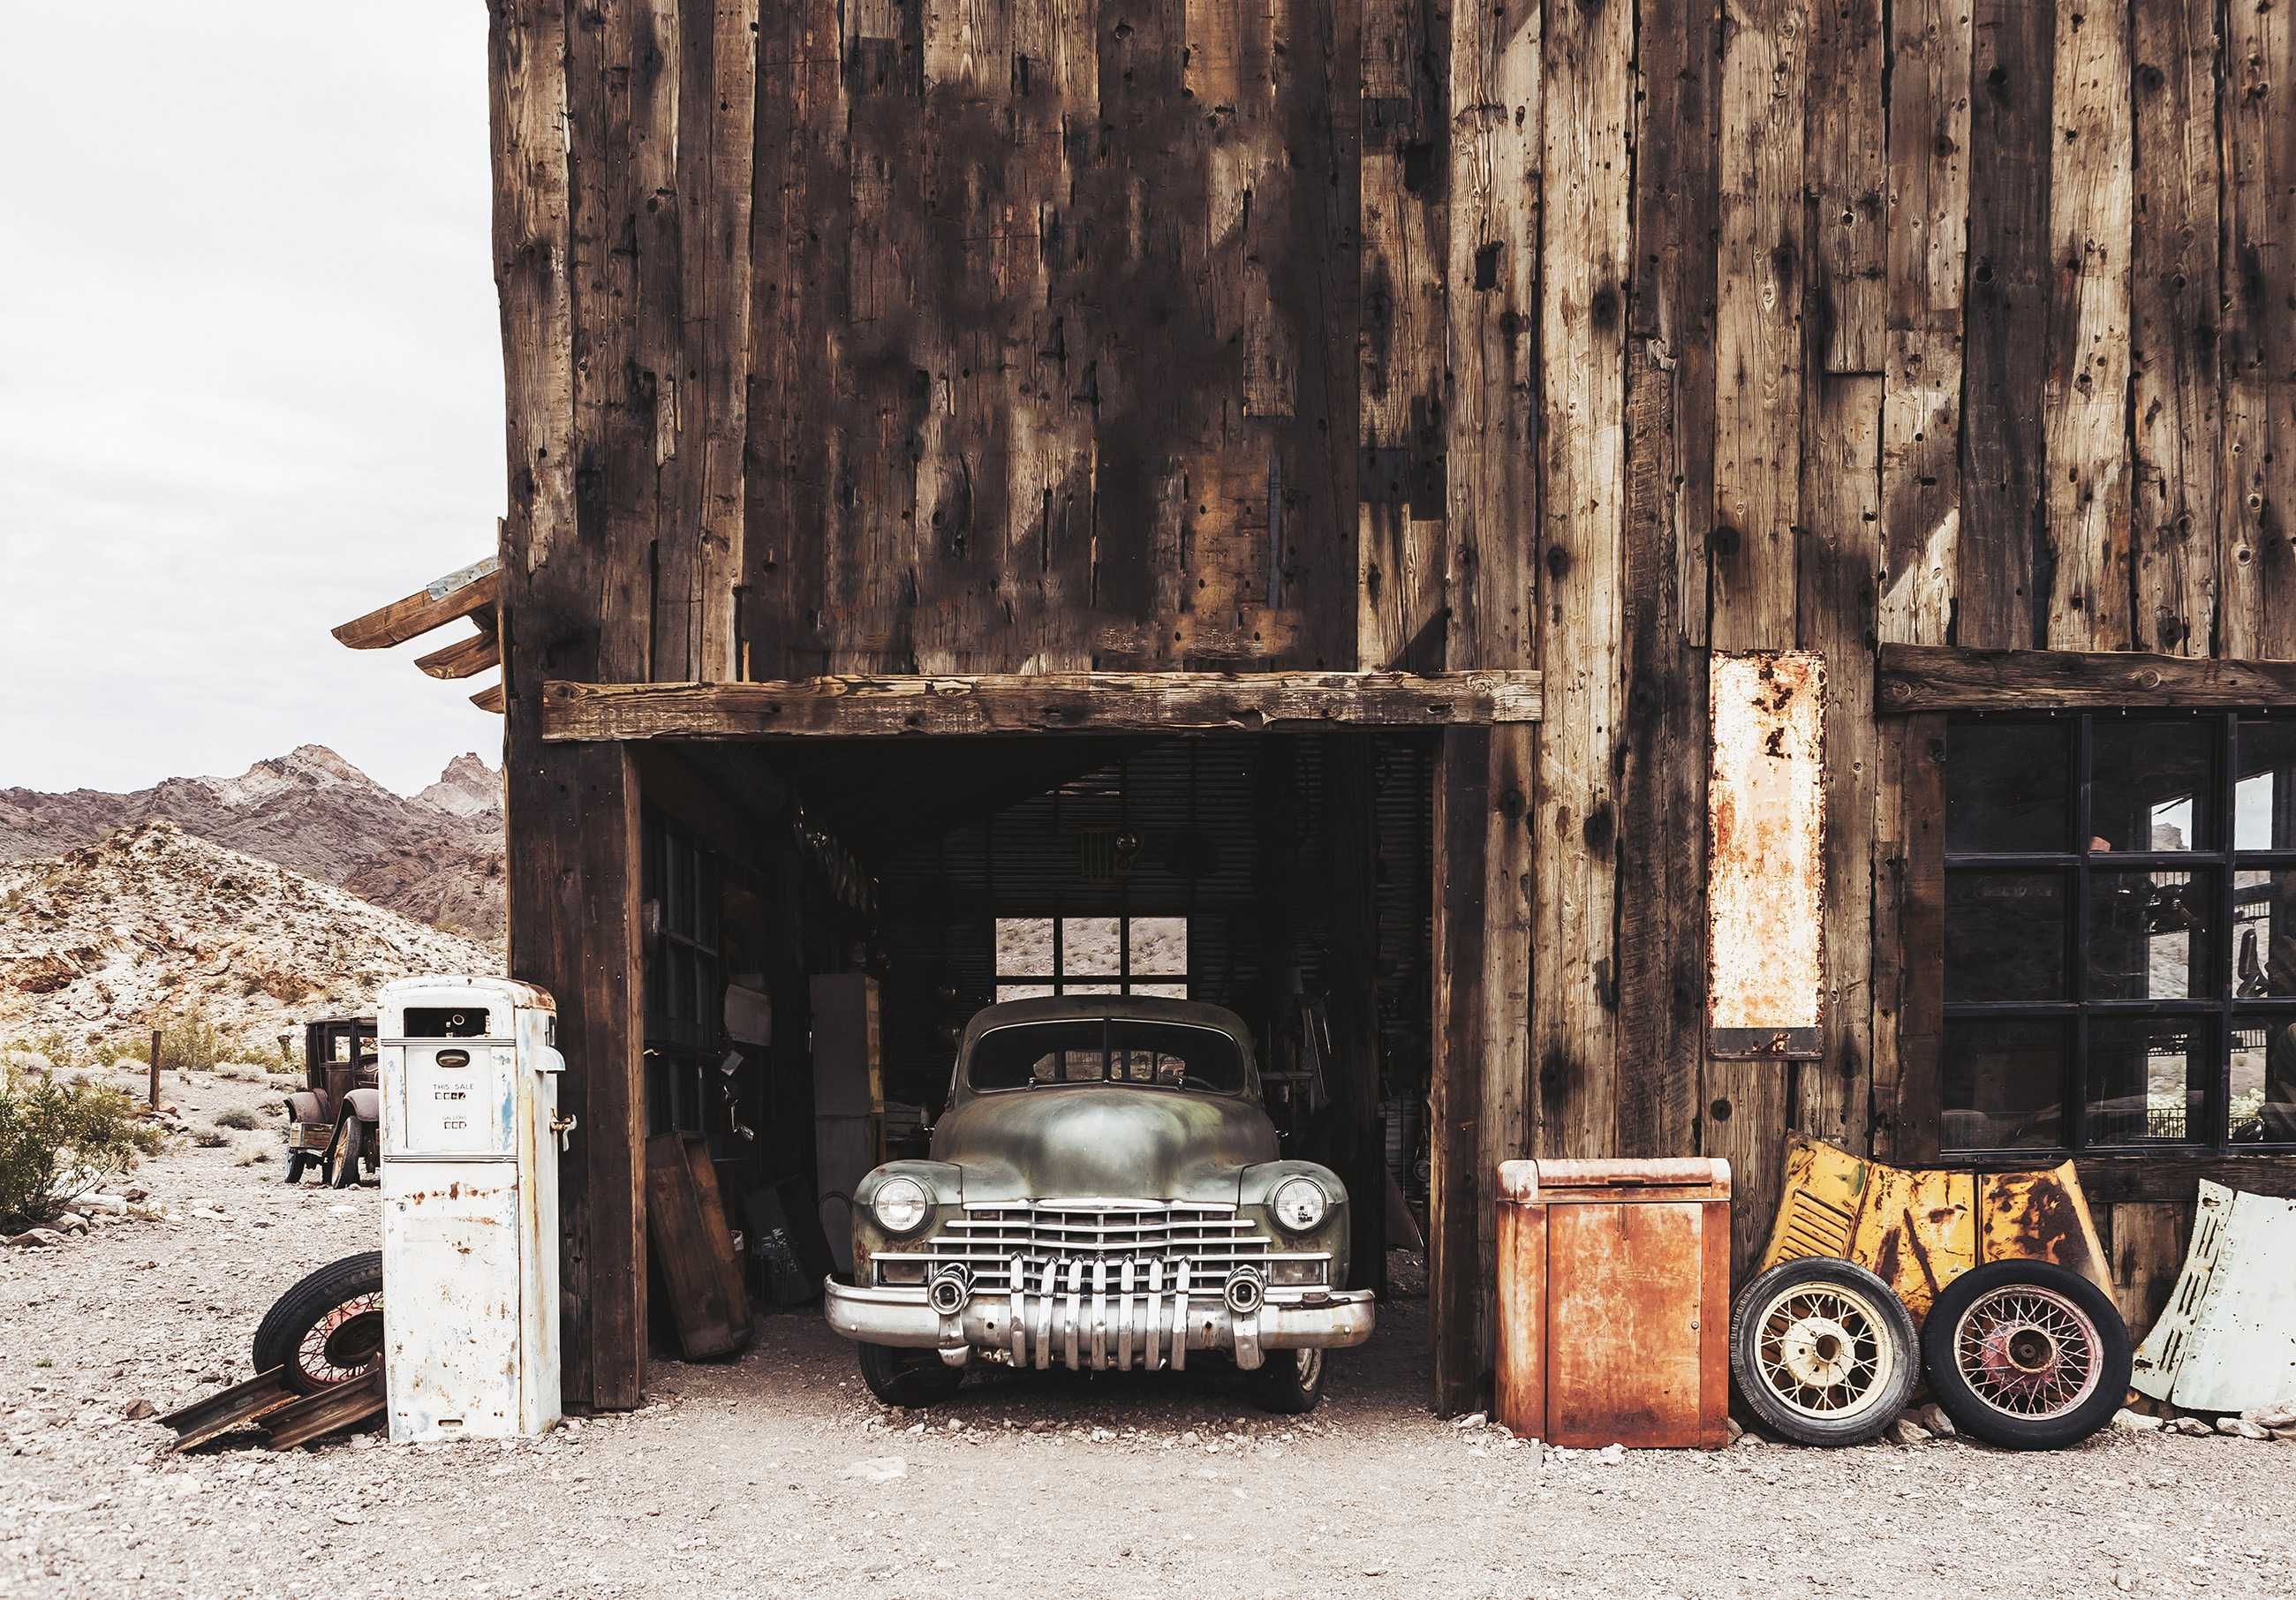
(155, 1069)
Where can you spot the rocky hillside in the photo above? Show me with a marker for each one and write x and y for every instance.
(437, 857)
(151, 924)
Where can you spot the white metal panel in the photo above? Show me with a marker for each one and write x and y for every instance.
(451, 1304)
(2243, 1354)
(2162, 1357)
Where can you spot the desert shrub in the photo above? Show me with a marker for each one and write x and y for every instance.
(56, 1045)
(194, 1041)
(208, 1138)
(245, 1120)
(60, 1140)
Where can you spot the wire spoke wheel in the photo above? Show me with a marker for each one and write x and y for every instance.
(1822, 1350)
(344, 1343)
(2026, 1354)
(2028, 1351)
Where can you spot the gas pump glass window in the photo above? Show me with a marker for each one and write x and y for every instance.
(2120, 932)
(1159, 1055)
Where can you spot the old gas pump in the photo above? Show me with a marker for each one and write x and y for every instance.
(471, 1137)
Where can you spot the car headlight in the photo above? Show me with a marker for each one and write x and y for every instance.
(1298, 1204)
(900, 1205)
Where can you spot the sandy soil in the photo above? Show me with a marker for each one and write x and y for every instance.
(778, 1476)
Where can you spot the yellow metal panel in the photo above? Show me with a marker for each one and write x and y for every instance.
(2044, 1217)
(1918, 1231)
(1817, 1216)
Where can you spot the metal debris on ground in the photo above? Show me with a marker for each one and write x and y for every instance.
(2227, 1339)
(284, 1417)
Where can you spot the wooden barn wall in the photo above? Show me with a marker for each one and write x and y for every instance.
(1032, 334)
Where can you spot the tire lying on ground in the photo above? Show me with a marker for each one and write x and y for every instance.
(327, 1329)
(2026, 1354)
(1823, 1351)
(907, 1377)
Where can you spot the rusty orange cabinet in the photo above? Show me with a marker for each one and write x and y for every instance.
(1614, 1302)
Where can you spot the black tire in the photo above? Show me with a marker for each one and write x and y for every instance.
(1823, 1351)
(907, 1377)
(2026, 1354)
(350, 1140)
(327, 1329)
(295, 1160)
(1288, 1383)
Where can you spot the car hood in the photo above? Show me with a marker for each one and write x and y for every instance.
(1078, 1141)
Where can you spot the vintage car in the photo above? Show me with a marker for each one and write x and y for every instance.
(1104, 1192)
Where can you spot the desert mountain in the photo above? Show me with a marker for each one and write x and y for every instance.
(436, 856)
(151, 923)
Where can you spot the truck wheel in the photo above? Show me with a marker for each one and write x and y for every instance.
(295, 1159)
(2026, 1354)
(327, 1329)
(905, 1377)
(1288, 1383)
(1822, 1350)
(348, 1143)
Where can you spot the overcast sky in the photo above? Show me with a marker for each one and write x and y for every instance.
(251, 380)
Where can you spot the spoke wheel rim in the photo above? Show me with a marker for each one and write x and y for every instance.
(343, 1344)
(1823, 1352)
(2027, 1353)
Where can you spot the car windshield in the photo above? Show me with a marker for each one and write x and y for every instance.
(1172, 1055)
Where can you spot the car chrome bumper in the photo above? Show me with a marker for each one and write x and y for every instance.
(1101, 1331)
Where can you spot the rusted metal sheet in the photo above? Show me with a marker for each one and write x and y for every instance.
(205, 1420)
(2228, 1339)
(1920, 1230)
(1765, 862)
(1614, 1302)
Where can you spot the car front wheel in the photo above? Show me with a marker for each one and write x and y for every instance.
(1288, 1383)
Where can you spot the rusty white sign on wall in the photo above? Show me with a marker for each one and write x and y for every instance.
(1766, 864)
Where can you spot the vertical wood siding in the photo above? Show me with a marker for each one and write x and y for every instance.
(1043, 334)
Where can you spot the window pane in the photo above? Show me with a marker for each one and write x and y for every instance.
(2148, 1079)
(2151, 785)
(1091, 946)
(2264, 1080)
(2003, 1082)
(1160, 947)
(1092, 988)
(1169, 991)
(2151, 935)
(2004, 936)
(2263, 934)
(2265, 803)
(1024, 946)
(2007, 786)
(1022, 991)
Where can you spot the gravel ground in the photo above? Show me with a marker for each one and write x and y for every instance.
(778, 1476)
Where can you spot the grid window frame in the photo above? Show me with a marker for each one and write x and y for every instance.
(2214, 1003)
(1061, 980)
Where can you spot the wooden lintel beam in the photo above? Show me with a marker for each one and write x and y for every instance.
(464, 658)
(1154, 703)
(1942, 677)
(434, 605)
(489, 699)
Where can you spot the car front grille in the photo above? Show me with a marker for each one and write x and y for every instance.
(987, 1239)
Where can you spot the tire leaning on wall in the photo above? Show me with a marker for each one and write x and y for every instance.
(2026, 1354)
(1823, 1351)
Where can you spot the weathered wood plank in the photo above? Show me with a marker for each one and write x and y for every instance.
(1044, 702)
(2146, 1243)
(1837, 599)
(464, 658)
(2258, 129)
(1916, 678)
(489, 699)
(1849, 148)
(1460, 1185)
(1921, 509)
(799, 231)
(1406, 49)
(573, 814)
(2177, 303)
(1587, 102)
(1993, 579)
(2176, 1180)
(2085, 399)
(434, 606)
(1670, 493)
(1491, 487)
(1908, 939)
(1758, 324)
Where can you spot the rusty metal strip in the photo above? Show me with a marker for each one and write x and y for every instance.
(204, 1421)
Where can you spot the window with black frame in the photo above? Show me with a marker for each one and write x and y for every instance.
(2120, 932)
